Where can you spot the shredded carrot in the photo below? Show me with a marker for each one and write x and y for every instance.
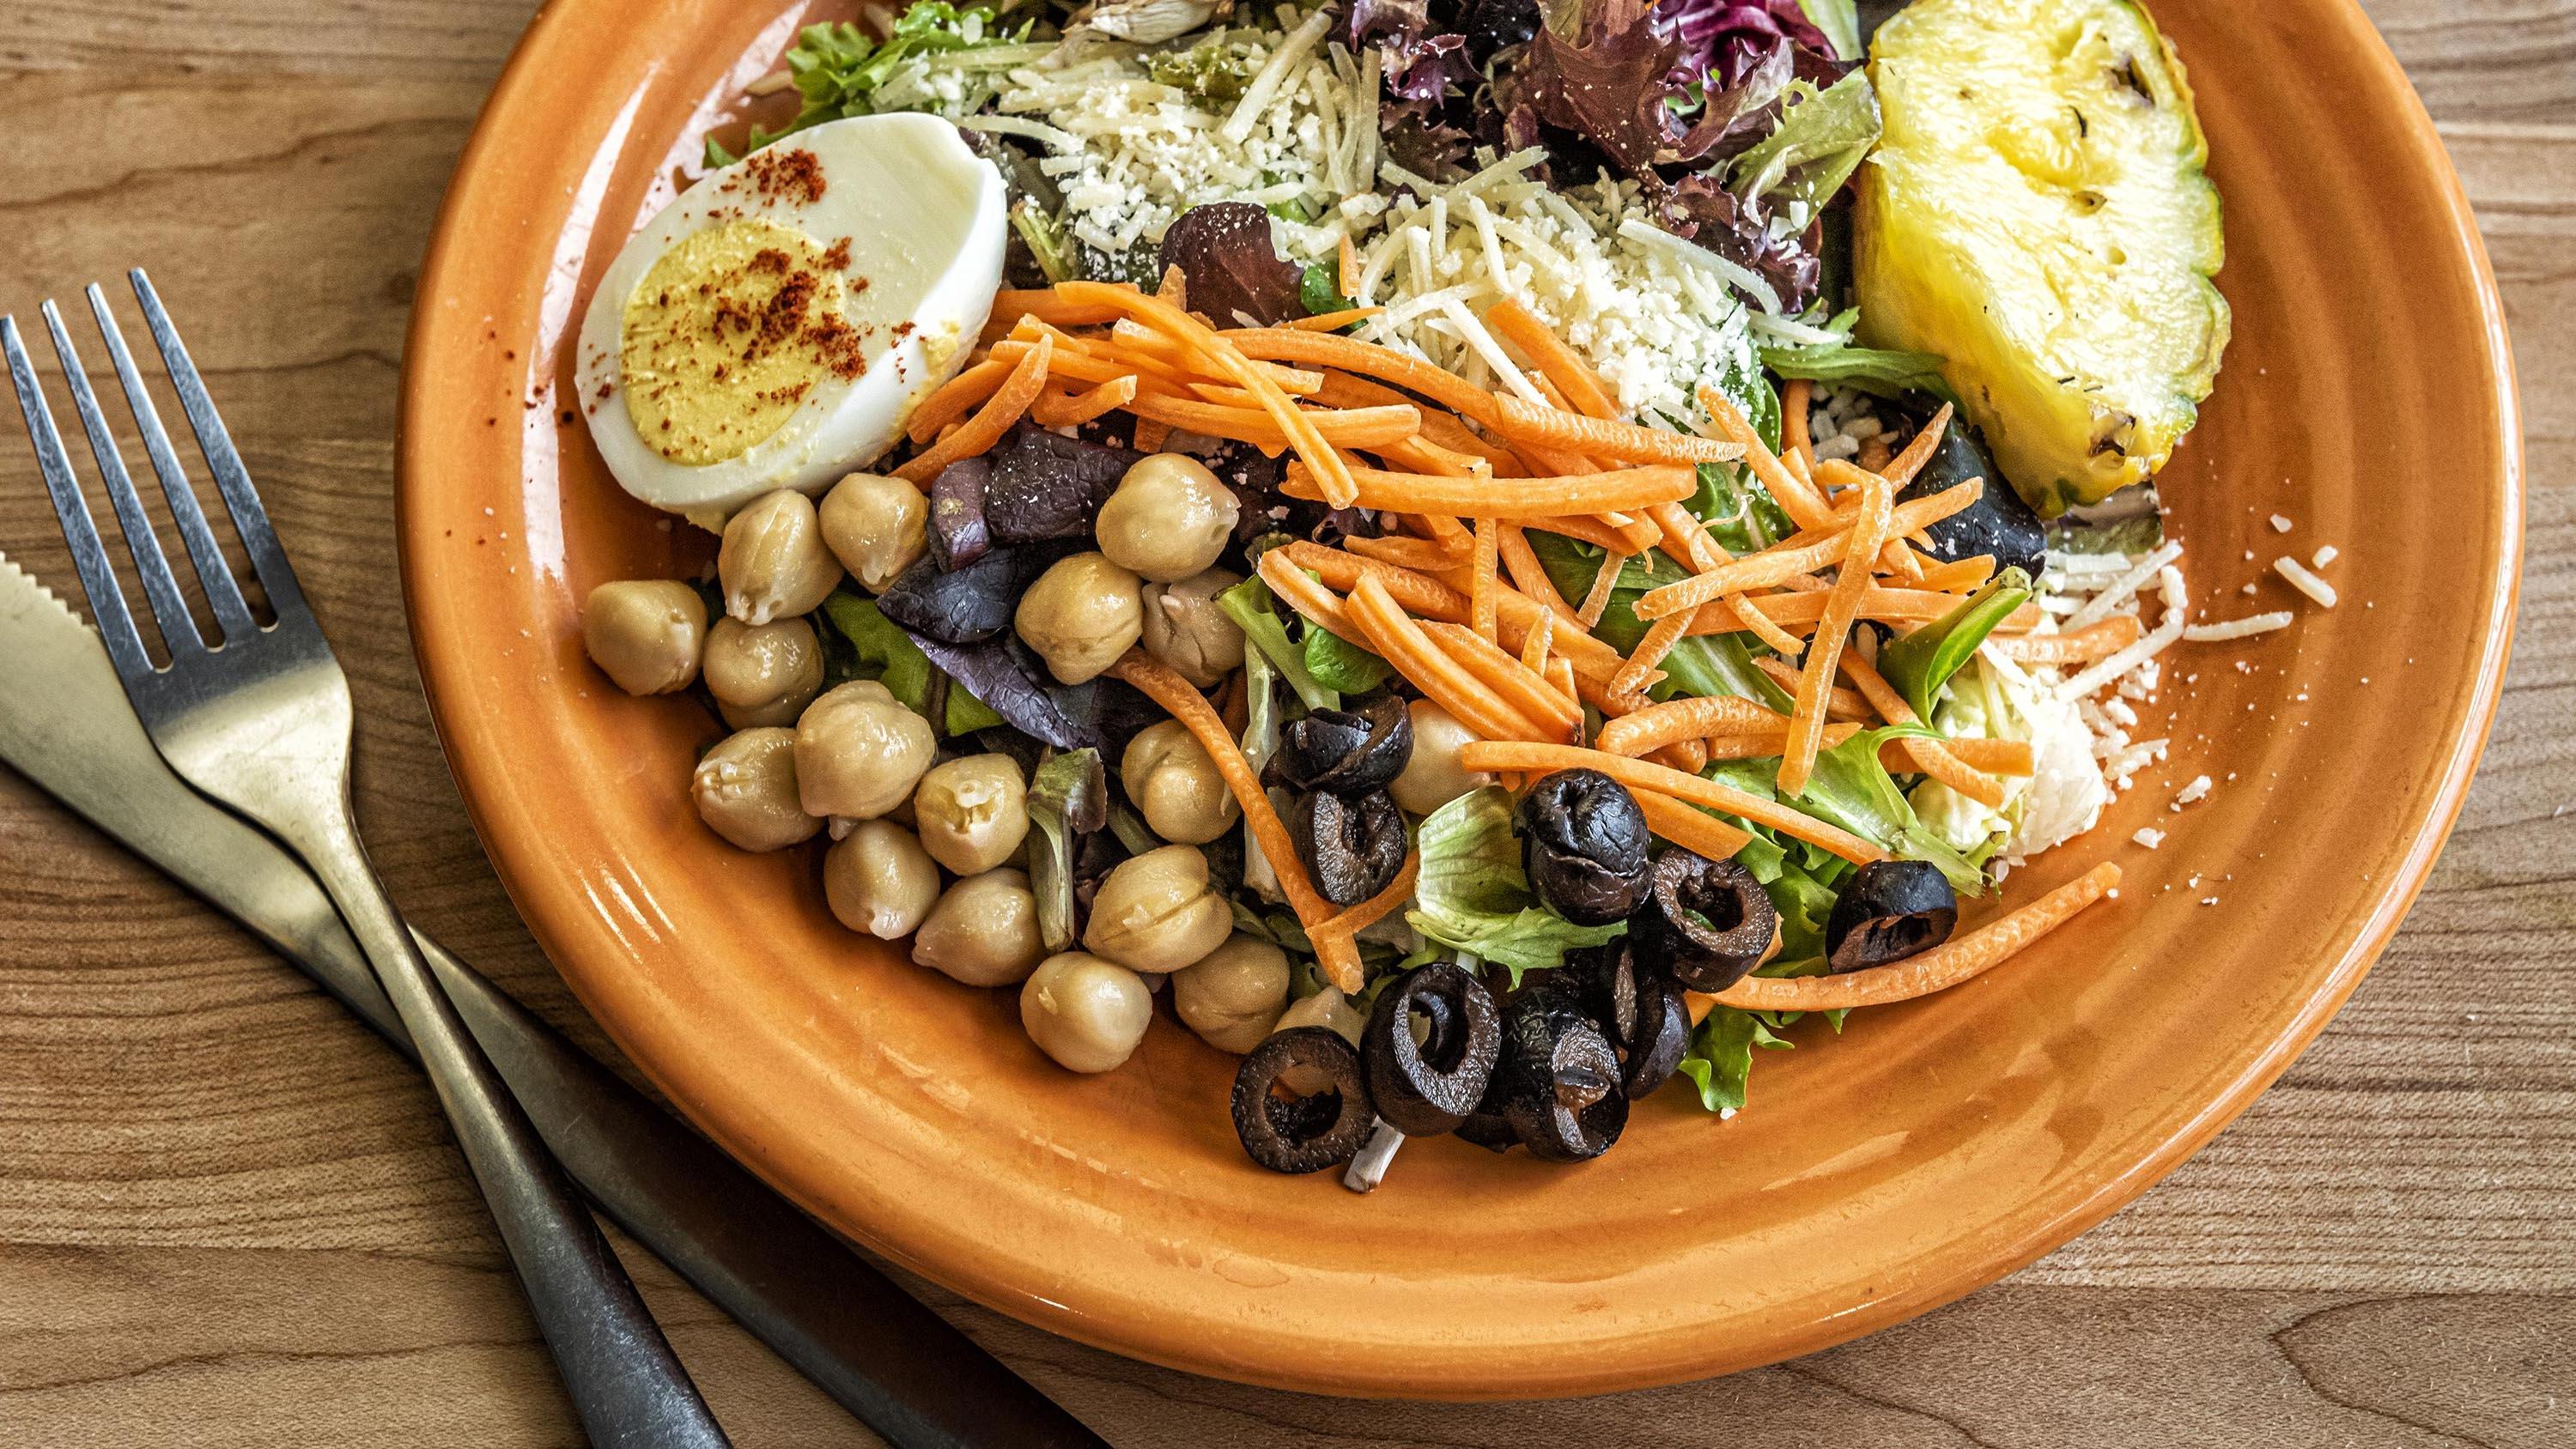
(1527, 425)
(1660, 638)
(1332, 349)
(1424, 664)
(1918, 452)
(1938, 969)
(1184, 703)
(1840, 704)
(1788, 645)
(1059, 410)
(1794, 439)
(1804, 505)
(1842, 609)
(1498, 498)
(1995, 757)
(1045, 304)
(1535, 644)
(1404, 553)
(1560, 674)
(1584, 530)
(1526, 571)
(1333, 321)
(1524, 689)
(1175, 288)
(1688, 756)
(1964, 576)
(1448, 532)
(1792, 611)
(980, 432)
(1605, 584)
(1692, 829)
(1342, 390)
(2083, 646)
(1327, 466)
(1480, 593)
(1425, 456)
(1771, 744)
(1346, 268)
(1150, 435)
(1071, 362)
(1692, 718)
(1516, 612)
(1685, 539)
(1344, 427)
(1557, 362)
(1801, 553)
(1646, 775)
(1932, 757)
(1377, 907)
(955, 396)
(1303, 594)
(1637, 534)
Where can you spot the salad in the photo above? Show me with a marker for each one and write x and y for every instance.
(1498, 558)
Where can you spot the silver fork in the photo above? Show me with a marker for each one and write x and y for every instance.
(259, 721)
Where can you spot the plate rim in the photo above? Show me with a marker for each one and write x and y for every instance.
(2077, 1213)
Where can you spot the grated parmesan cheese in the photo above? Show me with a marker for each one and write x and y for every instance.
(2244, 628)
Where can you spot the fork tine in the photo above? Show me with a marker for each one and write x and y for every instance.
(142, 543)
(89, 555)
(250, 518)
(222, 590)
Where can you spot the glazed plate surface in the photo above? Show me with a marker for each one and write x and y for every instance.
(1933, 1148)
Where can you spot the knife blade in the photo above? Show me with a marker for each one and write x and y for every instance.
(902, 1369)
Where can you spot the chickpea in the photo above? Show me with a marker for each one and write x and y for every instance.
(745, 790)
(645, 634)
(984, 931)
(972, 813)
(879, 881)
(1188, 633)
(1157, 912)
(763, 674)
(1432, 777)
(1232, 997)
(1085, 1012)
(859, 753)
(1080, 615)
(773, 562)
(1169, 519)
(876, 526)
(1168, 774)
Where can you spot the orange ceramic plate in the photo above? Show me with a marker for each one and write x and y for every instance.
(1934, 1148)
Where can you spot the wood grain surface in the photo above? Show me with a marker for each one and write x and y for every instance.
(228, 1217)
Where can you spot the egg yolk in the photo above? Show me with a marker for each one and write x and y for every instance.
(728, 334)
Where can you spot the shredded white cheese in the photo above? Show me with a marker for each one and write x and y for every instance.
(2304, 581)
(2244, 628)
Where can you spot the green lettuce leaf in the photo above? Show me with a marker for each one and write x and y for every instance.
(1720, 1060)
(839, 69)
(1819, 142)
(883, 652)
(1250, 605)
(1471, 894)
(1920, 663)
(1338, 664)
(1840, 22)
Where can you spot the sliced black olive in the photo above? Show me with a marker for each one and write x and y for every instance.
(962, 606)
(1352, 846)
(1045, 486)
(1429, 1086)
(1487, 1127)
(1346, 751)
(1891, 910)
(958, 536)
(1636, 1006)
(1560, 1082)
(1998, 523)
(1286, 1132)
(1711, 922)
(1584, 846)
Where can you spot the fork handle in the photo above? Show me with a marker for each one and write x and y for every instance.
(624, 1380)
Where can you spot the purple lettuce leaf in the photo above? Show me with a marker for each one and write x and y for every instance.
(1739, 229)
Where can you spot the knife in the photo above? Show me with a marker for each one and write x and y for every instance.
(902, 1369)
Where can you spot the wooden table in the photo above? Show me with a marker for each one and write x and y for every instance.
(228, 1217)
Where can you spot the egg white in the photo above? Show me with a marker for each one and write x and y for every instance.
(926, 220)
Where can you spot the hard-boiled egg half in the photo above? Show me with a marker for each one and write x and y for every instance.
(774, 326)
